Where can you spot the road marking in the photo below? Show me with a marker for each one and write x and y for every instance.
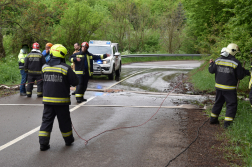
(37, 128)
(78, 106)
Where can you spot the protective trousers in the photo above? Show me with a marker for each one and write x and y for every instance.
(82, 87)
(31, 79)
(64, 119)
(230, 97)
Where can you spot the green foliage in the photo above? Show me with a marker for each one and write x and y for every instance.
(239, 134)
(9, 72)
(78, 24)
(203, 80)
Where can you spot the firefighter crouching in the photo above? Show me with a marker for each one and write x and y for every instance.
(228, 71)
(21, 60)
(84, 68)
(58, 77)
(33, 65)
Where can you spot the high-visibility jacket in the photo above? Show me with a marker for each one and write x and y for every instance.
(57, 80)
(21, 59)
(34, 62)
(228, 71)
(86, 62)
(250, 82)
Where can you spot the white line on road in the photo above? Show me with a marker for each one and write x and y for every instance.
(37, 128)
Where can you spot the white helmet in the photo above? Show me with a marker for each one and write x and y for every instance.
(232, 49)
(223, 52)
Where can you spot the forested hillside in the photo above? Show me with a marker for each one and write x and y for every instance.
(152, 26)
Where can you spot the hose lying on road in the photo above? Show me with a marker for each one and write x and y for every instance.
(86, 141)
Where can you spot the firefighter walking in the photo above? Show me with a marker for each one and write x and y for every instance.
(58, 77)
(228, 71)
(84, 69)
(33, 65)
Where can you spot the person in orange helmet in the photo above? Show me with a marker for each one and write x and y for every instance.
(46, 52)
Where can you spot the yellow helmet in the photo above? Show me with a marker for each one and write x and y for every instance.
(58, 50)
(232, 49)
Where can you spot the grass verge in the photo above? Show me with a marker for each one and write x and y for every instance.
(239, 135)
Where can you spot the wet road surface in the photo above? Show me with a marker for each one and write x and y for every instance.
(152, 144)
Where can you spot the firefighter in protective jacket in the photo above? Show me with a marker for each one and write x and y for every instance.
(228, 71)
(83, 68)
(33, 65)
(58, 77)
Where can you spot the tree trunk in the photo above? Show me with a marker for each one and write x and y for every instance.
(2, 51)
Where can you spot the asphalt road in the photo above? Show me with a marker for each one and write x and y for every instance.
(152, 144)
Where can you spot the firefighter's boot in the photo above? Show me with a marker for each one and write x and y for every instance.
(69, 144)
(214, 120)
(44, 147)
(227, 124)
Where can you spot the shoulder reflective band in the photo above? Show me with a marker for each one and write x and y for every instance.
(34, 56)
(78, 72)
(79, 95)
(66, 134)
(225, 62)
(55, 69)
(225, 87)
(56, 100)
(229, 119)
(44, 133)
(71, 60)
(214, 115)
(35, 72)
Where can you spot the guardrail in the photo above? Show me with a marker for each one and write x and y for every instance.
(159, 55)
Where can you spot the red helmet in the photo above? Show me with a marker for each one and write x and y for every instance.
(35, 45)
(85, 44)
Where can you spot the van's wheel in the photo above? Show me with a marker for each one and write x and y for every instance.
(112, 75)
(118, 72)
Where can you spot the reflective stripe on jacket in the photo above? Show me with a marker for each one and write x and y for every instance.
(57, 80)
(34, 62)
(21, 59)
(86, 60)
(228, 71)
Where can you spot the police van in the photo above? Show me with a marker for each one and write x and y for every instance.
(111, 66)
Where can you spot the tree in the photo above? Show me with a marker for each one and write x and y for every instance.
(171, 28)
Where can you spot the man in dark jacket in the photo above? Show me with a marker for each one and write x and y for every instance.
(83, 69)
(228, 71)
(58, 77)
(33, 65)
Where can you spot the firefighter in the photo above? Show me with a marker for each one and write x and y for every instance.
(76, 49)
(84, 68)
(58, 77)
(33, 65)
(21, 60)
(46, 52)
(228, 71)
